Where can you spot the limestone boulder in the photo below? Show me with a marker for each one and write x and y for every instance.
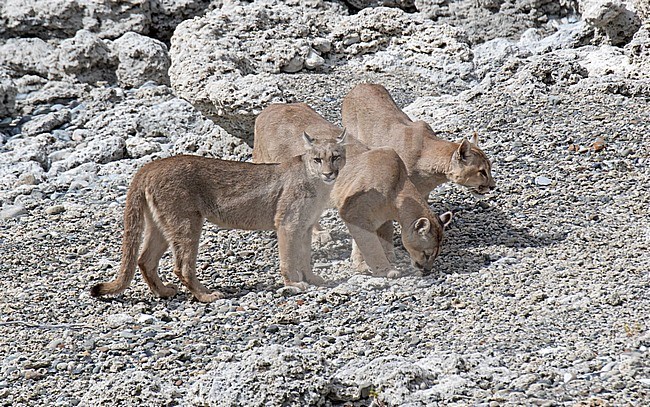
(84, 58)
(26, 56)
(389, 40)
(484, 20)
(63, 18)
(234, 61)
(615, 21)
(273, 375)
(140, 59)
(41, 18)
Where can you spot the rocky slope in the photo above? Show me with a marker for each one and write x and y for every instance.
(540, 296)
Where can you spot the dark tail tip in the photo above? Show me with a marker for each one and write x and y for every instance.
(96, 290)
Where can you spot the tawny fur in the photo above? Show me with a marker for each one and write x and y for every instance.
(371, 116)
(278, 134)
(279, 127)
(169, 200)
(369, 201)
(368, 186)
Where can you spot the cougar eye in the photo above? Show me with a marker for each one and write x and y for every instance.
(336, 158)
(318, 160)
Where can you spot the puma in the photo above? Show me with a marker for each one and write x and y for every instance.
(278, 129)
(370, 115)
(373, 190)
(277, 137)
(169, 200)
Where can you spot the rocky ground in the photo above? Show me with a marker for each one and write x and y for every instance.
(539, 297)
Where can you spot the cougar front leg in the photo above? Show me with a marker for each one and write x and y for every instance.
(358, 263)
(385, 233)
(372, 251)
(305, 256)
(291, 248)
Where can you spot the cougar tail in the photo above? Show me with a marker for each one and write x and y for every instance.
(133, 231)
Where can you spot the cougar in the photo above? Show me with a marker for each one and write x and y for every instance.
(373, 190)
(169, 200)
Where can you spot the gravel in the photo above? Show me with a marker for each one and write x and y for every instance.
(539, 297)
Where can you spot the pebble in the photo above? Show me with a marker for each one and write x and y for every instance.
(569, 377)
(55, 209)
(523, 261)
(16, 211)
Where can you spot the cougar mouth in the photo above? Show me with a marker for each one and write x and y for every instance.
(482, 189)
(328, 179)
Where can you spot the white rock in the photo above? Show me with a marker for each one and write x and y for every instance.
(26, 55)
(269, 375)
(117, 389)
(543, 181)
(119, 320)
(146, 319)
(46, 123)
(55, 209)
(86, 58)
(98, 150)
(42, 18)
(141, 59)
(607, 60)
(137, 147)
(612, 18)
(569, 377)
(12, 211)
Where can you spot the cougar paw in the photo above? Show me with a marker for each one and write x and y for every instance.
(361, 267)
(390, 273)
(292, 288)
(168, 290)
(209, 297)
(314, 279)
(300, 285)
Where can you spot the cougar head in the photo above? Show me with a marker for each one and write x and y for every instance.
(470, 167)
(422, 239)
(325, 158)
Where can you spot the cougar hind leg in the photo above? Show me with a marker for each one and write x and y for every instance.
(184, 241)
(320, 235)
(154, 246)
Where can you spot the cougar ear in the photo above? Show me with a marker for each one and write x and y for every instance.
(309, 141)
(342, 137)
(474, 139)
(445, 218)
(422, 226)
(463, 150)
